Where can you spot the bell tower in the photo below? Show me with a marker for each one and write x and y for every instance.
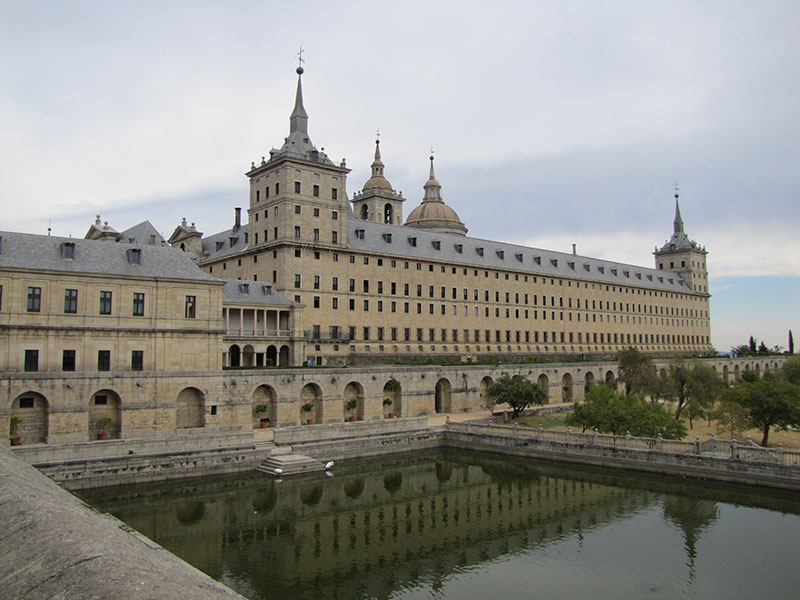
(683, 256)
(378, 202)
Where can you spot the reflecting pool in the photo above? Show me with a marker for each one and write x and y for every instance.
(445, 524)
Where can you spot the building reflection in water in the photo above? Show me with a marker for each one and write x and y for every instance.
(382, 526)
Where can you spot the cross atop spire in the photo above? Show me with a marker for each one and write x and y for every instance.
(300, 60)
(298, 121)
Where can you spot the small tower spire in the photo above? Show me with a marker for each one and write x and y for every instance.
(298, 121)
(677, 224)
(433, 189)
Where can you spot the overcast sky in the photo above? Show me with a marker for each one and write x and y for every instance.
(552, 122)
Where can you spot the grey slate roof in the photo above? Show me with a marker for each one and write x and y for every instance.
(40, 252)
(142, 234)
(225, 243)
(252, 292)
(477, 253)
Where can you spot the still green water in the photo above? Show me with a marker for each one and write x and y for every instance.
(447, 524)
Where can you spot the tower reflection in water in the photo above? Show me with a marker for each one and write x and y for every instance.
(381, 527)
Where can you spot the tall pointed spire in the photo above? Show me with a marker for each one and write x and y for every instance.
(377, 164)
(298, 121)
(433, 189)
(678, 222)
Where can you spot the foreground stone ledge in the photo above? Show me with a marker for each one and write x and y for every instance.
(53, 546)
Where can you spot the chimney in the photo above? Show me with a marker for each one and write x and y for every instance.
(574, 252)
(238, 222)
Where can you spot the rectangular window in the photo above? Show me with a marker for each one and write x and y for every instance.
(105, 303)
(71, 301)
(334, 193)
(104, 360)
(335, 303)
(316, 301)
(316, 282)
(34, 299)
(68, 360)
(31, 360)
(334, 237)
(335, 284)
(316, 191)
(138, 304)
(190, 307)
(137, 360)
(297, 280)
(297, 191)
(297, 231)
(366, 333)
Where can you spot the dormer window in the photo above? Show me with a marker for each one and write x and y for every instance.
(387, 237)
(412, 241)
(537, 260)
(671, 281)
(459, 248)
(554, 262)
(650, 277)
(661, 279)
(68, 250)
(638, 275)
(571, 265)
(614, 271)
(500, 254)
(360, 234)
(587, 267)
(626, 273)
(518, 256)
(134, 256)
(437, 245)
(601, 269)
(244, 288)
(233, 241)
(479, 250)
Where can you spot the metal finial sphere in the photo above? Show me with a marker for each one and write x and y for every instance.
(299, 70)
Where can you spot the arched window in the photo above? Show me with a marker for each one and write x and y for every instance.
(364, 212)
(388, 214)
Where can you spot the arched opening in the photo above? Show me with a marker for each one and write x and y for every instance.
(190, 409)
(265, 499)
(364, 212)
(443, 402)
(611, 380)
(354, 488)
(105, 416)
(272, 356)
(248, 356)
(32, 415)
(284, 360)
(353, 402)
(725, 373)
(388, 214)
(190, 512)
(392, 399)
(486, 383)
(544, 383)
(264, 406)
(393, 482)
(588, 382)
(310, 404)
(234, 356)
(758, 369)
(444, 471)
(736, 373)
(566, 388)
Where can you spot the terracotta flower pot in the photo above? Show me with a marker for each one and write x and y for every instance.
(101, 435)
(351, 418)
(263, 424)
(16, 440)
(391, 415)
(309, 421)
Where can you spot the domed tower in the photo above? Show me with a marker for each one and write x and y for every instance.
(433, 213)
(683, 255)
(378, 201)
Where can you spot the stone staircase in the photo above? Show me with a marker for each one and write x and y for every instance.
(283, 461)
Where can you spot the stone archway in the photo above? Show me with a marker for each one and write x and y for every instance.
(443, 399)
(611, 379)
(353, 402)
(588, 382)
(284, 358)
(544, 382)
(234, 356)
(190, 409)
(392, 399)
(725, 373)
(567, 389)
(264, 407)
(736, 374)
(105, 416)
(272, 356)
(310, 404)
(248, 356)
(33, 411)
(486, 383)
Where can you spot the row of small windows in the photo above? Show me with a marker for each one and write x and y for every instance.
(433, 334)
(297, 190)
(69, 360)
(34, 302)
(611, 306)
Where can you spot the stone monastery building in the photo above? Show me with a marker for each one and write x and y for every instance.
(369, 284)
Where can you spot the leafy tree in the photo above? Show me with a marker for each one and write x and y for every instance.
(770, 402)
(732, 415)
(752, 344)
(610, 411)
(518, 392)
(637, 371)
(741, 350)
(694, 381)
(762, 348)
(694, 410)
(791, 370)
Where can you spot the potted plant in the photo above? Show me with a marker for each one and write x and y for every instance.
(351, 406)
(388, 402)
(307, 408)
(101, 425)
(13, 423)
(260, 409)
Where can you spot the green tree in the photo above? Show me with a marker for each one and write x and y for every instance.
(791, 342)
(518, 392)
(790, 371)
(762, 348)
(741, 350)
(731, 415)
(770, 402)
(752, 344)
(637, 371)
(610, 411)
(693, 381)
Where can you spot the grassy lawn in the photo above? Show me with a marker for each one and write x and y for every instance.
(701, 428)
